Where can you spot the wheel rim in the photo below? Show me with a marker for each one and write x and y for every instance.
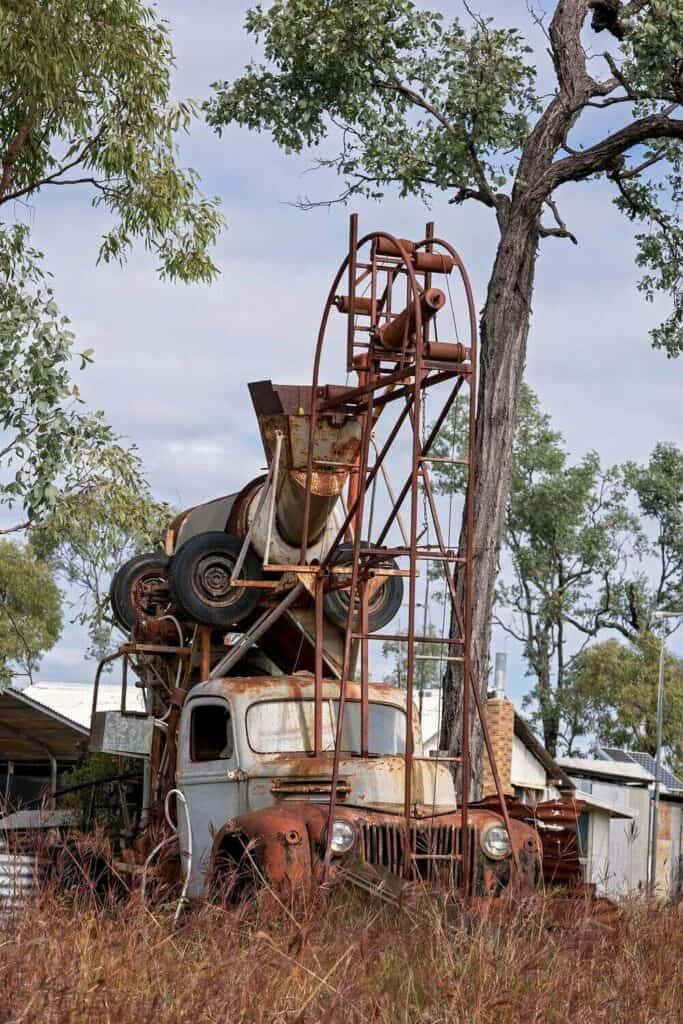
(144, 593)
(211, 580)
(374, 604)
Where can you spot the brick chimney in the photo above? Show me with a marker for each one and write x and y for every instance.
(500, 717)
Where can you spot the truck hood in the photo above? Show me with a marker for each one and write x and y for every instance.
(372, 782)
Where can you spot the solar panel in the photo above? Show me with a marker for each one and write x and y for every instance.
(648, 762)
(645, 761)
(622, 756)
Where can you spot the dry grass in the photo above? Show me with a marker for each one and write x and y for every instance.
(348, 959)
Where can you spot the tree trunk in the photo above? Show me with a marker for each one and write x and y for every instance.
(504, 331)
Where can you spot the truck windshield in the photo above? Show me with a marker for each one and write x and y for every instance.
(286, 726)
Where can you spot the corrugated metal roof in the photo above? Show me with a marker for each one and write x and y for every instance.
(598, 768)
(74, 700)
(53, 717)
(37, 817)
(18, 878)
(30, 731)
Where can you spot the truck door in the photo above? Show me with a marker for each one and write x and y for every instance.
(207, 776)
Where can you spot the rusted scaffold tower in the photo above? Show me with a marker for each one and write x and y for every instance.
(316, 439)
(392, 342)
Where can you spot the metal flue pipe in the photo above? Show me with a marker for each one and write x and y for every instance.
(392, 334)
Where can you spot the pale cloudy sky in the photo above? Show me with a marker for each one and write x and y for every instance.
(172, 361)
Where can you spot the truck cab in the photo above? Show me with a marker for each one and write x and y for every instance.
(253, 789)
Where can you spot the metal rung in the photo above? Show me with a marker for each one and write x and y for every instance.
(427, 556)
(328, 462)
(438, 760)
(424, 553)
(312, 570)
(398, 638)
(135, 648)
(436, 657)
(256, 584)
(445, 460)
(374, 552)
(372, 571)
(461, 369)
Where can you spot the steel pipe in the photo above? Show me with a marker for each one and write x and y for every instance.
(404, 325)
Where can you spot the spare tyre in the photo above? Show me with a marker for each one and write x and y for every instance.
(137, 588)
(200, 573)
(383, 605)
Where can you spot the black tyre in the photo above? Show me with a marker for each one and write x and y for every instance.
(199, 574)
(382, 606)
(139, 588)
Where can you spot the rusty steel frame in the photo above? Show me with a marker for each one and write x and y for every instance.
(414, 371)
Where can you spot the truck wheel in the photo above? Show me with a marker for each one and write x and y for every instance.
(127, 591)
(232, 876)
(382, 606)
(199, 575)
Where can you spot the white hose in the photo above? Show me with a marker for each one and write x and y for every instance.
(183, 896)
(172, 618)
(157, 848)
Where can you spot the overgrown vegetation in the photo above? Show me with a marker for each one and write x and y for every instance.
(349, 960)
(109, 804)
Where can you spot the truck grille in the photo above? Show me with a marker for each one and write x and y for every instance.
(436, 850)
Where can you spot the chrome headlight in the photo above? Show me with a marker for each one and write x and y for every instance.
(343, 836)
(495, 842)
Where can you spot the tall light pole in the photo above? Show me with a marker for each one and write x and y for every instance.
(658, 758)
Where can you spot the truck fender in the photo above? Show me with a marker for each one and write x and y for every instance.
(277, 846)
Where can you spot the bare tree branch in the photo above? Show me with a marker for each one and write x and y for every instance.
(53, 179)
(561, 231)
(607, 155)
(14, 529)
(538, 18)
(463, 194)
(635, 171)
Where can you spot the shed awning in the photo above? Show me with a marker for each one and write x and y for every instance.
(594, 803)
(32, 732)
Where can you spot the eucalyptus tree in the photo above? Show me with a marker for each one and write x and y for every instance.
(85, 101)
(92, 532)
(616, 685)
(571, 543)
(569, 535)
(429, 106)
(657, 490)
(85, 106)
(30, 611)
